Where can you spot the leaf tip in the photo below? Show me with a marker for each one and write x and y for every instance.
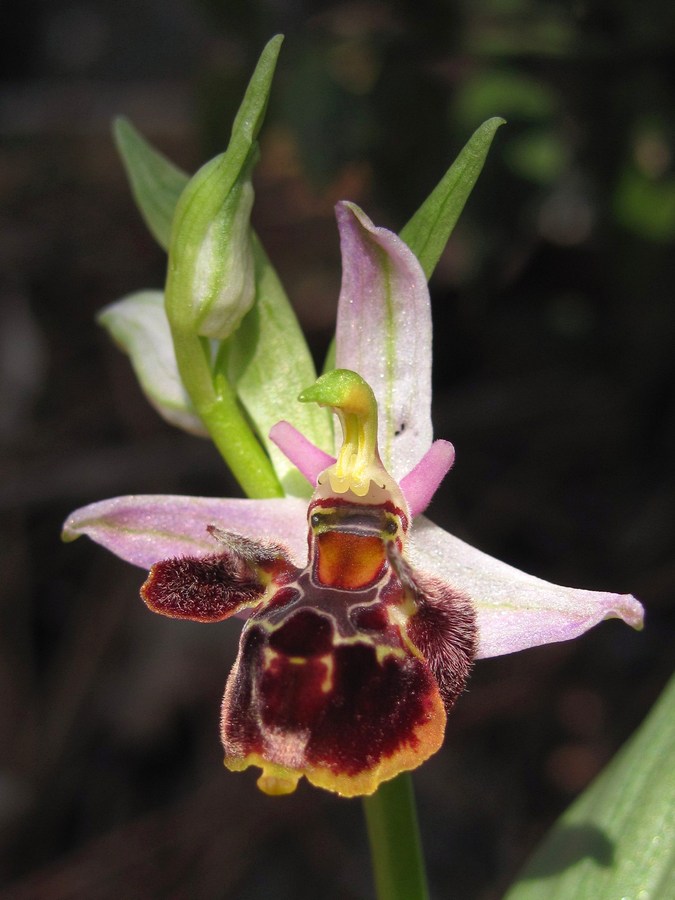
(489, 128)
(122, 132)
(275, 42)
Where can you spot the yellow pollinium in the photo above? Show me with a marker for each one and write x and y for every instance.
(352, 398)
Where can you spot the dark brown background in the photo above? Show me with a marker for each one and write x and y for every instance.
(554, 365)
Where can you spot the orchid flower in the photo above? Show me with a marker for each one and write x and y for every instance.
(363, 616)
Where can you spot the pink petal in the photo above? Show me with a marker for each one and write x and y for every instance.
(420, 485)
(514, 610)
(384, 334)
(143, 529)
(304, 455)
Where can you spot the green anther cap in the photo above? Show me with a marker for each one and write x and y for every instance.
(358, 461)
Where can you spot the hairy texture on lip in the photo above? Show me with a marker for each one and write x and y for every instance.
(444, 631)
(204, 590)
(443, 627)
(349, 717)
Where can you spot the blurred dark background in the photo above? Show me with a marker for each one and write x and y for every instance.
(554, 377)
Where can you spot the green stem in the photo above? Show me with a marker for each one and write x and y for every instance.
(219, 410)
(395, 846)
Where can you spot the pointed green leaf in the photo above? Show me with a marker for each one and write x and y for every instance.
(251, 113)
(428, 230)
(156, 183)
(268, 362)
(329, 361)
(618, 839)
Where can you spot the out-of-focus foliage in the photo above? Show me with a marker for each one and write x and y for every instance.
(618, 838)
(382, 90)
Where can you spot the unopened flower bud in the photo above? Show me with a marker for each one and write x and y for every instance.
(210, 283)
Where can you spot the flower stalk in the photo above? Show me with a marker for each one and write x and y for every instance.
(395, 845)
(217, 405)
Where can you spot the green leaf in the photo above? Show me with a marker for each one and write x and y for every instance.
(428, 230)
(155, 182)
(210, 283)
(253, 107)
(618, 839)
(269, 363)
(267, 360)
(329, 361)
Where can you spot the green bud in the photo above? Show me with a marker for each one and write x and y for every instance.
(210, 284)
(211, 281)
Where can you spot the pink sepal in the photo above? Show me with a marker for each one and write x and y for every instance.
(143, 529)
(514, 610)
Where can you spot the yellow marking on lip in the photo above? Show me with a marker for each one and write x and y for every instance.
(400, 615)
(384, 651)
(327, 682)
(269, 658)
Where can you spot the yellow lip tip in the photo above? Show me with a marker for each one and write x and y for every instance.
(274, 786)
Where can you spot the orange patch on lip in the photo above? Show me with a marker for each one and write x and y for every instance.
(348, 562)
